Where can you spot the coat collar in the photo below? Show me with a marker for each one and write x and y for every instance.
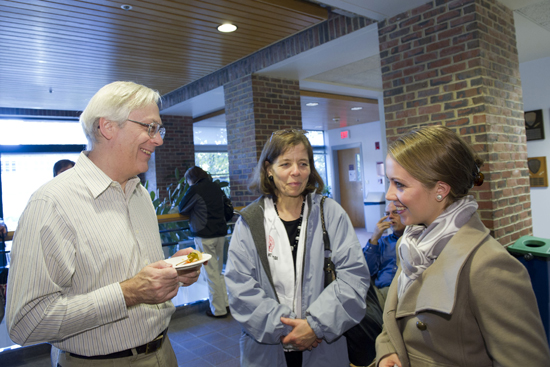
(437, 287)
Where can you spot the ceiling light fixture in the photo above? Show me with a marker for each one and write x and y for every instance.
(312, 104)
(126, 7)
(356, 108)
(227, 28)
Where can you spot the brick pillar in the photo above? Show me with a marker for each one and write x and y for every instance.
(255, 106)
(455, 63)
(178, 151)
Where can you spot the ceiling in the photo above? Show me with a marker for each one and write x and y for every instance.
(56, 54)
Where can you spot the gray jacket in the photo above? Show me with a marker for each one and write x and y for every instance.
(329, 312)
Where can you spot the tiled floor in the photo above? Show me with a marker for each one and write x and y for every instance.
(199, 340)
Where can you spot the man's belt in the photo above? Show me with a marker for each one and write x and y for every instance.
(150, 347)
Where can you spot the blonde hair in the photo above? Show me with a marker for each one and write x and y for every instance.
(277, 145)
(115, 101)
(436, 153)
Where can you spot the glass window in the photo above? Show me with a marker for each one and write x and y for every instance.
(321, 165)
(316, 138)
(23, 174)
(40, 132)
(209, 135)
(216, 163)
(317, 141)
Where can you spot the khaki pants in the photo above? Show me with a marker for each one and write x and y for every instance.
(217, 293)
(163, 357)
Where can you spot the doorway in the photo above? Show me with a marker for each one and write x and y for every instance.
(350, 181)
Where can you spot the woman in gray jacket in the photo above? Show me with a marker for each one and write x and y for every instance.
(275, 273)
(458, 298)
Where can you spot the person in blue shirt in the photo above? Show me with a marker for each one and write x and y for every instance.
(380, 251)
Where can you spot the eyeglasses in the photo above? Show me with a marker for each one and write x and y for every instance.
(153, 128)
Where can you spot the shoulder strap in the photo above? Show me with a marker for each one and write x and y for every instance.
(253, 215)
(326, 239)
(328, 268)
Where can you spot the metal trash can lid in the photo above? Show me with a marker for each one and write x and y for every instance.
(531, 245)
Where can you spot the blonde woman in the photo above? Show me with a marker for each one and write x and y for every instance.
(458, 298)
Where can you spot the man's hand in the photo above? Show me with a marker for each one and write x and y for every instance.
(187, 277)
(390, 361)
(381, 226)
(301, 336)
(154, 284)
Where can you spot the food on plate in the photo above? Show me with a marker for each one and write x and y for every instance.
(194, 256)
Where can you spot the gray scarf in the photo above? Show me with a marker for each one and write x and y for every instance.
(420, 246)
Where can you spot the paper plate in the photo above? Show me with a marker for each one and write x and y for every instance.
(177, 259)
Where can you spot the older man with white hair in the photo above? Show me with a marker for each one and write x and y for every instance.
(87, 272)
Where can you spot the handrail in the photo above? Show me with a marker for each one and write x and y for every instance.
(9, 236)
(176, 217)
(169, 218)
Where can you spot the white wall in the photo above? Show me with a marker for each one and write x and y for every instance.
(535, 82)
(366, 135)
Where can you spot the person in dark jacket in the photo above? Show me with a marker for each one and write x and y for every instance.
(209, 210)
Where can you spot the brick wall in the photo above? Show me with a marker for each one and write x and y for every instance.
(256, 106)
(178, 151)
(455, 63)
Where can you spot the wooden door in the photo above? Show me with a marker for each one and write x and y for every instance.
(351, 188)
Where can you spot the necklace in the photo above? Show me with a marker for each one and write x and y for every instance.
(294, 246)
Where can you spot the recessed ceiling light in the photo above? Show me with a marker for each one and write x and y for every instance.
(227, 27)
(126, 7)
(312, 104)
(356, 108)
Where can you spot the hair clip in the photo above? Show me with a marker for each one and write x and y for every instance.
(478, 177)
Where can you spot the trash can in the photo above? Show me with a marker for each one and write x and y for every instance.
(375, 204)
(534, 254)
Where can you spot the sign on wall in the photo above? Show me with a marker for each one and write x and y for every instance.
(538, 175)
(534, 126)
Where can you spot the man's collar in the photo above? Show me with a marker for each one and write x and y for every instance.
(94, 178)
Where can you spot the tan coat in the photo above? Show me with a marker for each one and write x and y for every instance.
(473, 307)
